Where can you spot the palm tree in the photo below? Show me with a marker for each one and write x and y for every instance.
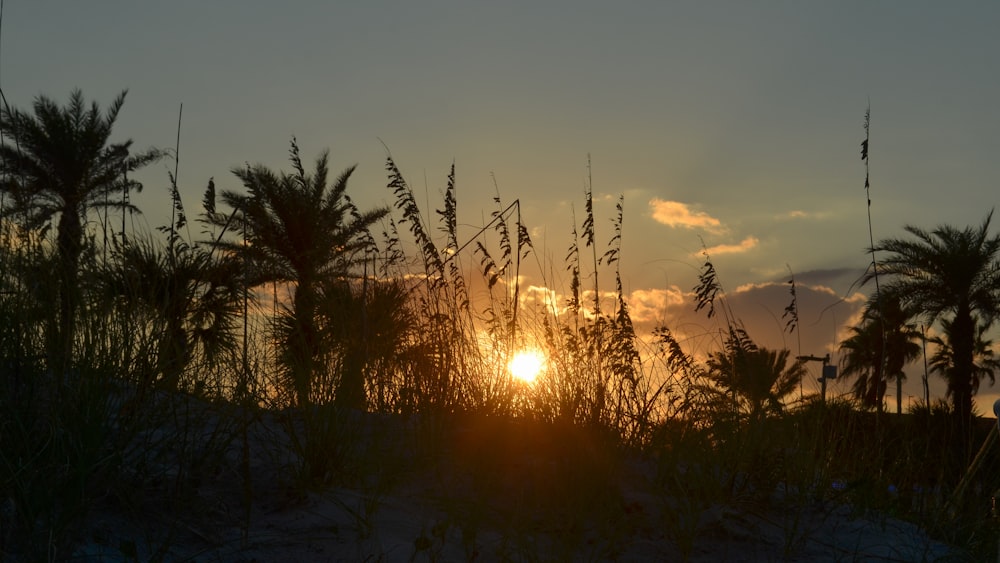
(985, 363)
(373, 329)
(861, 358)
(301, 231)
(878, 349)
(758, 378)
(949, 274)
(63, 163)
(191, 298)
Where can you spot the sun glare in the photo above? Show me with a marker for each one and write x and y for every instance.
(526, 365)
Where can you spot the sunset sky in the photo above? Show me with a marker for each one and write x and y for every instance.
(736, 125)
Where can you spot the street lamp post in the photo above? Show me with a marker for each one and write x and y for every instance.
(829, 371)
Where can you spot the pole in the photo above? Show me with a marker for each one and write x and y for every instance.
(823, 377)
(899, 395)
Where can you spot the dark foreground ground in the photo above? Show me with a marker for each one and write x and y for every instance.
(462, 490)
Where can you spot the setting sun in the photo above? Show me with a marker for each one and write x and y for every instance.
(526, 365)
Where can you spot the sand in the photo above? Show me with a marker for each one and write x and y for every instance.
(457, 492)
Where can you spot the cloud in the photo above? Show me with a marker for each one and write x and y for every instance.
(651, 305)
(824, 315)
(646, 306)
(542, 298)
(744, 245)
(677, 214)
(800, 214)
(833, 277)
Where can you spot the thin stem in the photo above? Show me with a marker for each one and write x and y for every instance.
(175, 196)
(871, 238)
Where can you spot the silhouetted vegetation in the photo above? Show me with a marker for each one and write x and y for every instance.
(134, 369)
(878, 349)
(952, 275)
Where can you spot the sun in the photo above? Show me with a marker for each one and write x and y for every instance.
(526, 365)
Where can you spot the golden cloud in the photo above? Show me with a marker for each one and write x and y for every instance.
(677, 214)
(645, 305)
(543, 297)
(744, 245)
(650, 305)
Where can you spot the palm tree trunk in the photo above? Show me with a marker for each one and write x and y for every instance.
(174, 351)
(351, 390)
(303, 345)
(69, 247)
(963, 344)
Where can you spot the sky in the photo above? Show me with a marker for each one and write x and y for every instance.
(733, 127)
